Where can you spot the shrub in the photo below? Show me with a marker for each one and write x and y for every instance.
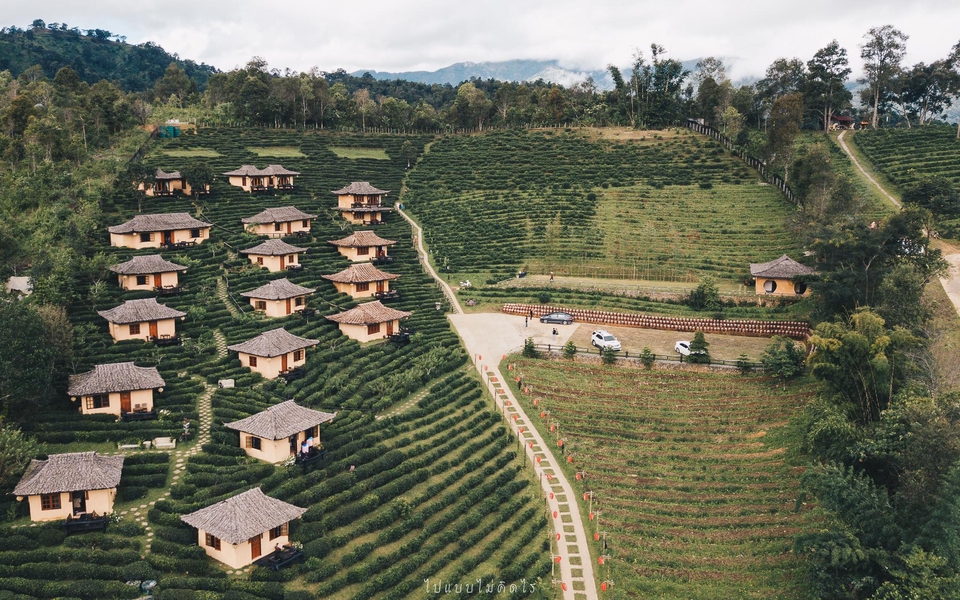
(569, 350)
(530, 349)
(608, 356)
(743, 364)
(699, 354)
(647, 358)
(705, 296)
(782, 358)
(543, 297)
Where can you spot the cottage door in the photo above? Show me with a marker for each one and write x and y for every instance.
(124, 402)
(389, 327)
(282, 265)
(167, 237)
(288, 306)
(283, 362)
(379, 287)
(79, 501)
(255, 546)
(153, 329)
(289, 227)
(157, 280)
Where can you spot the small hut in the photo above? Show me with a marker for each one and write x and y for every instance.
(251, 179)
(149, 272)
(156, 231)
(279, 432)
(778, 277)
(144, 319)
(116, 389)
(362, 204)
(278, 222)
(275, 255)
(363, 280)
(369, 321)
(362, 246)
(279, 298)
(70, 485)
(165, 184)
(274, 353)
(236, 530)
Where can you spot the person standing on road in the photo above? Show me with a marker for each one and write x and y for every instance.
(526, 321)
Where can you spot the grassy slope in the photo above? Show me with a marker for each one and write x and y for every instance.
(671, 205)
(688, 475)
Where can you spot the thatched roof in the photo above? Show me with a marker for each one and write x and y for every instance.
(360, 188)
(281, 214)
(162, 175)
(115, 377)
(273, 248)
(361, 239)
(273, 343)
(780, 268)
(252, 171)
(162, 222)
(138, 311)
(279, 289)
(360, 273)
(71, 472)
(237, 519)
(369, 313)
(146, 265)
(281, 421)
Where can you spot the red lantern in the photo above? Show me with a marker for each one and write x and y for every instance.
(531, 444)
(552, 427)
(549, 477)
(507, 402)
(558, 537)
(603, 586)
(596, 537)
(538, 459)
(536, 401)
(522, 429)
(586, 496)
(600, 560)
(563, 586)
(543, 414)
(591, 516)
(515, 416)
(557, 560)
(551, 495)
(559, 443)
(479, 357)
(570, 459)
(555, 514)
(579, 477)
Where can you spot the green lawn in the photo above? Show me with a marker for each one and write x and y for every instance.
(191, 153)
(277, 151)
(355, 153)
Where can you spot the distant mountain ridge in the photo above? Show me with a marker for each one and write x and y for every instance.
(507, 70)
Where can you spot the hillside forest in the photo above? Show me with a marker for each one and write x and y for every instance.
(873, 430)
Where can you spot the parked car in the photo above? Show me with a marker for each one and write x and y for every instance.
(604, 339)
(557, 317)
(683, 348)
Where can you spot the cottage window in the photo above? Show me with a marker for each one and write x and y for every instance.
(195, 233)
(253, 442)
(260, 260)
(373, 328)
(253, 361)
(313, 431)
(278, 226)
(363, 250)
(212, 541)
(305, 223)
(292, 258)
(769, 286)
(261, 305)
(799, 288)
(141, 280)
(98, 401)
(146, 237)
(298, 301)
(135, 329)
(50, 501)
(280, 531)
(363, 287)
(297, 355)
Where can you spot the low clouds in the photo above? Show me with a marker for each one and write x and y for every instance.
(429, 34)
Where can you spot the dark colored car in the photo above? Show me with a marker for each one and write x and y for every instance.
(557, 317)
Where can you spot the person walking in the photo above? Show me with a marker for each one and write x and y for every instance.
(526, 321)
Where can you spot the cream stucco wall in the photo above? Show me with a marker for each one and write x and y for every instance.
(98, 501)
(286, 228)
(271, 367)
(274, 451)
(278, 308)
(785, 287)
(121, 332)
(351, 289)
(132, 240)
(355, 256)
(359, 332)
(137, 397)
(360, 218)
(274, 263)
(129, 282)
(237, 556)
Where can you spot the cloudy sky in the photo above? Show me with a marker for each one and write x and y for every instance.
(405, 35)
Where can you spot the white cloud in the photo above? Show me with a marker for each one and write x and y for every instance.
(429, 34)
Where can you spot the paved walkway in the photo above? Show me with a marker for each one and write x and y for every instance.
(863, 171)
(488, 337)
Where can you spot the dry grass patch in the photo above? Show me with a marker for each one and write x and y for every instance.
(355, 153)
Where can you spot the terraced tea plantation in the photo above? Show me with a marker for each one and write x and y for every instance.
(690, 489)
(421, 479)
(908, 155)
(674, 207)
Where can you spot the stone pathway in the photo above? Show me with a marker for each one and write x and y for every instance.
(222, 293)
(412, 401)
(221, 343)
(863, 171)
